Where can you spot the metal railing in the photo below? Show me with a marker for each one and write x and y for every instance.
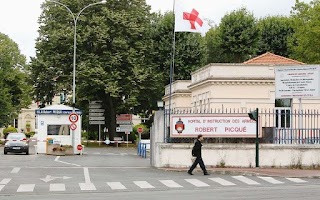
(278, 125)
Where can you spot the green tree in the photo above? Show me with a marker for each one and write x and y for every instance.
(238, 35)
(15, 92)
(304, 45)
(274, 34)
(113, 62)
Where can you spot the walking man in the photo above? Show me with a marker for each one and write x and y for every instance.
(196, 152)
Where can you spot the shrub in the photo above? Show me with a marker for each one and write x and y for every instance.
(8, 130)
(30, 134)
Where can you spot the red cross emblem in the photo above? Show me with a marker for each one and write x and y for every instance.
(193, 18)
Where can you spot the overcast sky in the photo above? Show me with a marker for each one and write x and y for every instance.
(18, 18)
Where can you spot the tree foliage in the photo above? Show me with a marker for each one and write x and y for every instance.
(113, 62)
(14, 91)
(275, 32)
(238, 35)
(304, 45)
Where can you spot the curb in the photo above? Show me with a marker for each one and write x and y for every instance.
(243, 173)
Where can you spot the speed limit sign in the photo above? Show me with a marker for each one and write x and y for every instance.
(73, 117)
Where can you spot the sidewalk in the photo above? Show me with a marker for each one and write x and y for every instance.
(294, 173)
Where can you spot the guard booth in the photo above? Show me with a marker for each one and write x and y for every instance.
(55, 125)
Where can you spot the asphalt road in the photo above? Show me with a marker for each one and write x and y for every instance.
(118, 173)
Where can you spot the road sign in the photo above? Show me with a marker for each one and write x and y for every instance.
(124, 128)
(127, 132)
(140, 130)
(73, 117)
(95, 106)
(96, 118)
(92, 114)
(96, 122)
(73, 126)
(96, 110)
(79, 147)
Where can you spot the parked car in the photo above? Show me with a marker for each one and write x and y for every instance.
(16, 143)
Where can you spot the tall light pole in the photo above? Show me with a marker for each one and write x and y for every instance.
(75, 19)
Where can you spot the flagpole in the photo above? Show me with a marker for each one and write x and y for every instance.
(172, 69)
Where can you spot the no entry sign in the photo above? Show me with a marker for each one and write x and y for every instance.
(73, 127)
(140, 130)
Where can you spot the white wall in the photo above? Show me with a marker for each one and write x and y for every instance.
(238, 155)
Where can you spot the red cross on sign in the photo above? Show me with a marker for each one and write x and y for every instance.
(193, 18)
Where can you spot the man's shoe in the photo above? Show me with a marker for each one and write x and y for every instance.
(206, 174)
(190, 173)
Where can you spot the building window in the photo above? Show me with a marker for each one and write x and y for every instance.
(283, 113)
(61, 129)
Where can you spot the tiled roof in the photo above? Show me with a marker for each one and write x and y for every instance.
(270, 58)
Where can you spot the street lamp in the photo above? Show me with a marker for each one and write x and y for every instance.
(75, 19)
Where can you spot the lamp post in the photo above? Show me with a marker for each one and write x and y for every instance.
(75, 19)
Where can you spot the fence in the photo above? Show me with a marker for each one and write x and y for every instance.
(280, 125)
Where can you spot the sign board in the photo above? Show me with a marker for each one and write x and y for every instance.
(96, 110)
(213, 125)
(124, 128)
(79, 147)
(124, 119)
(96, 118)
(96, 122)
(297, 82)
(73, 117)
(140, 130)
(96, 113)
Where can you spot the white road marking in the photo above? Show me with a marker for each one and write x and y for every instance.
(86, 175)
(246, 180)
(5, 181)
(222, 181)
(87, 186)
(197, 182)
(270, 180)
(57, 187)
(1, 187)
(116, 186)
(297, 180)
(26, 188)
(15, 170)
(57, 160)
(143, 184)
(170, 183)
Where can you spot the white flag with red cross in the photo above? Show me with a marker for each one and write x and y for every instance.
(189, 17)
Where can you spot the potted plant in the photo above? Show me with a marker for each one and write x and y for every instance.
(59, 151)
(28, 127)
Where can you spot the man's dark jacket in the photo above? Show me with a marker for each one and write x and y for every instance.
(196, 151)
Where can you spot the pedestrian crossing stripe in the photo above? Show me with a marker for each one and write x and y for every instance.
(143, 184)
(222, 181)
(296, 180)
(26, 188)
(5, 181)
(116, 186)
(170, 184)
(246, 180)
(270, 180)
(197, 183)
(60, 187)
